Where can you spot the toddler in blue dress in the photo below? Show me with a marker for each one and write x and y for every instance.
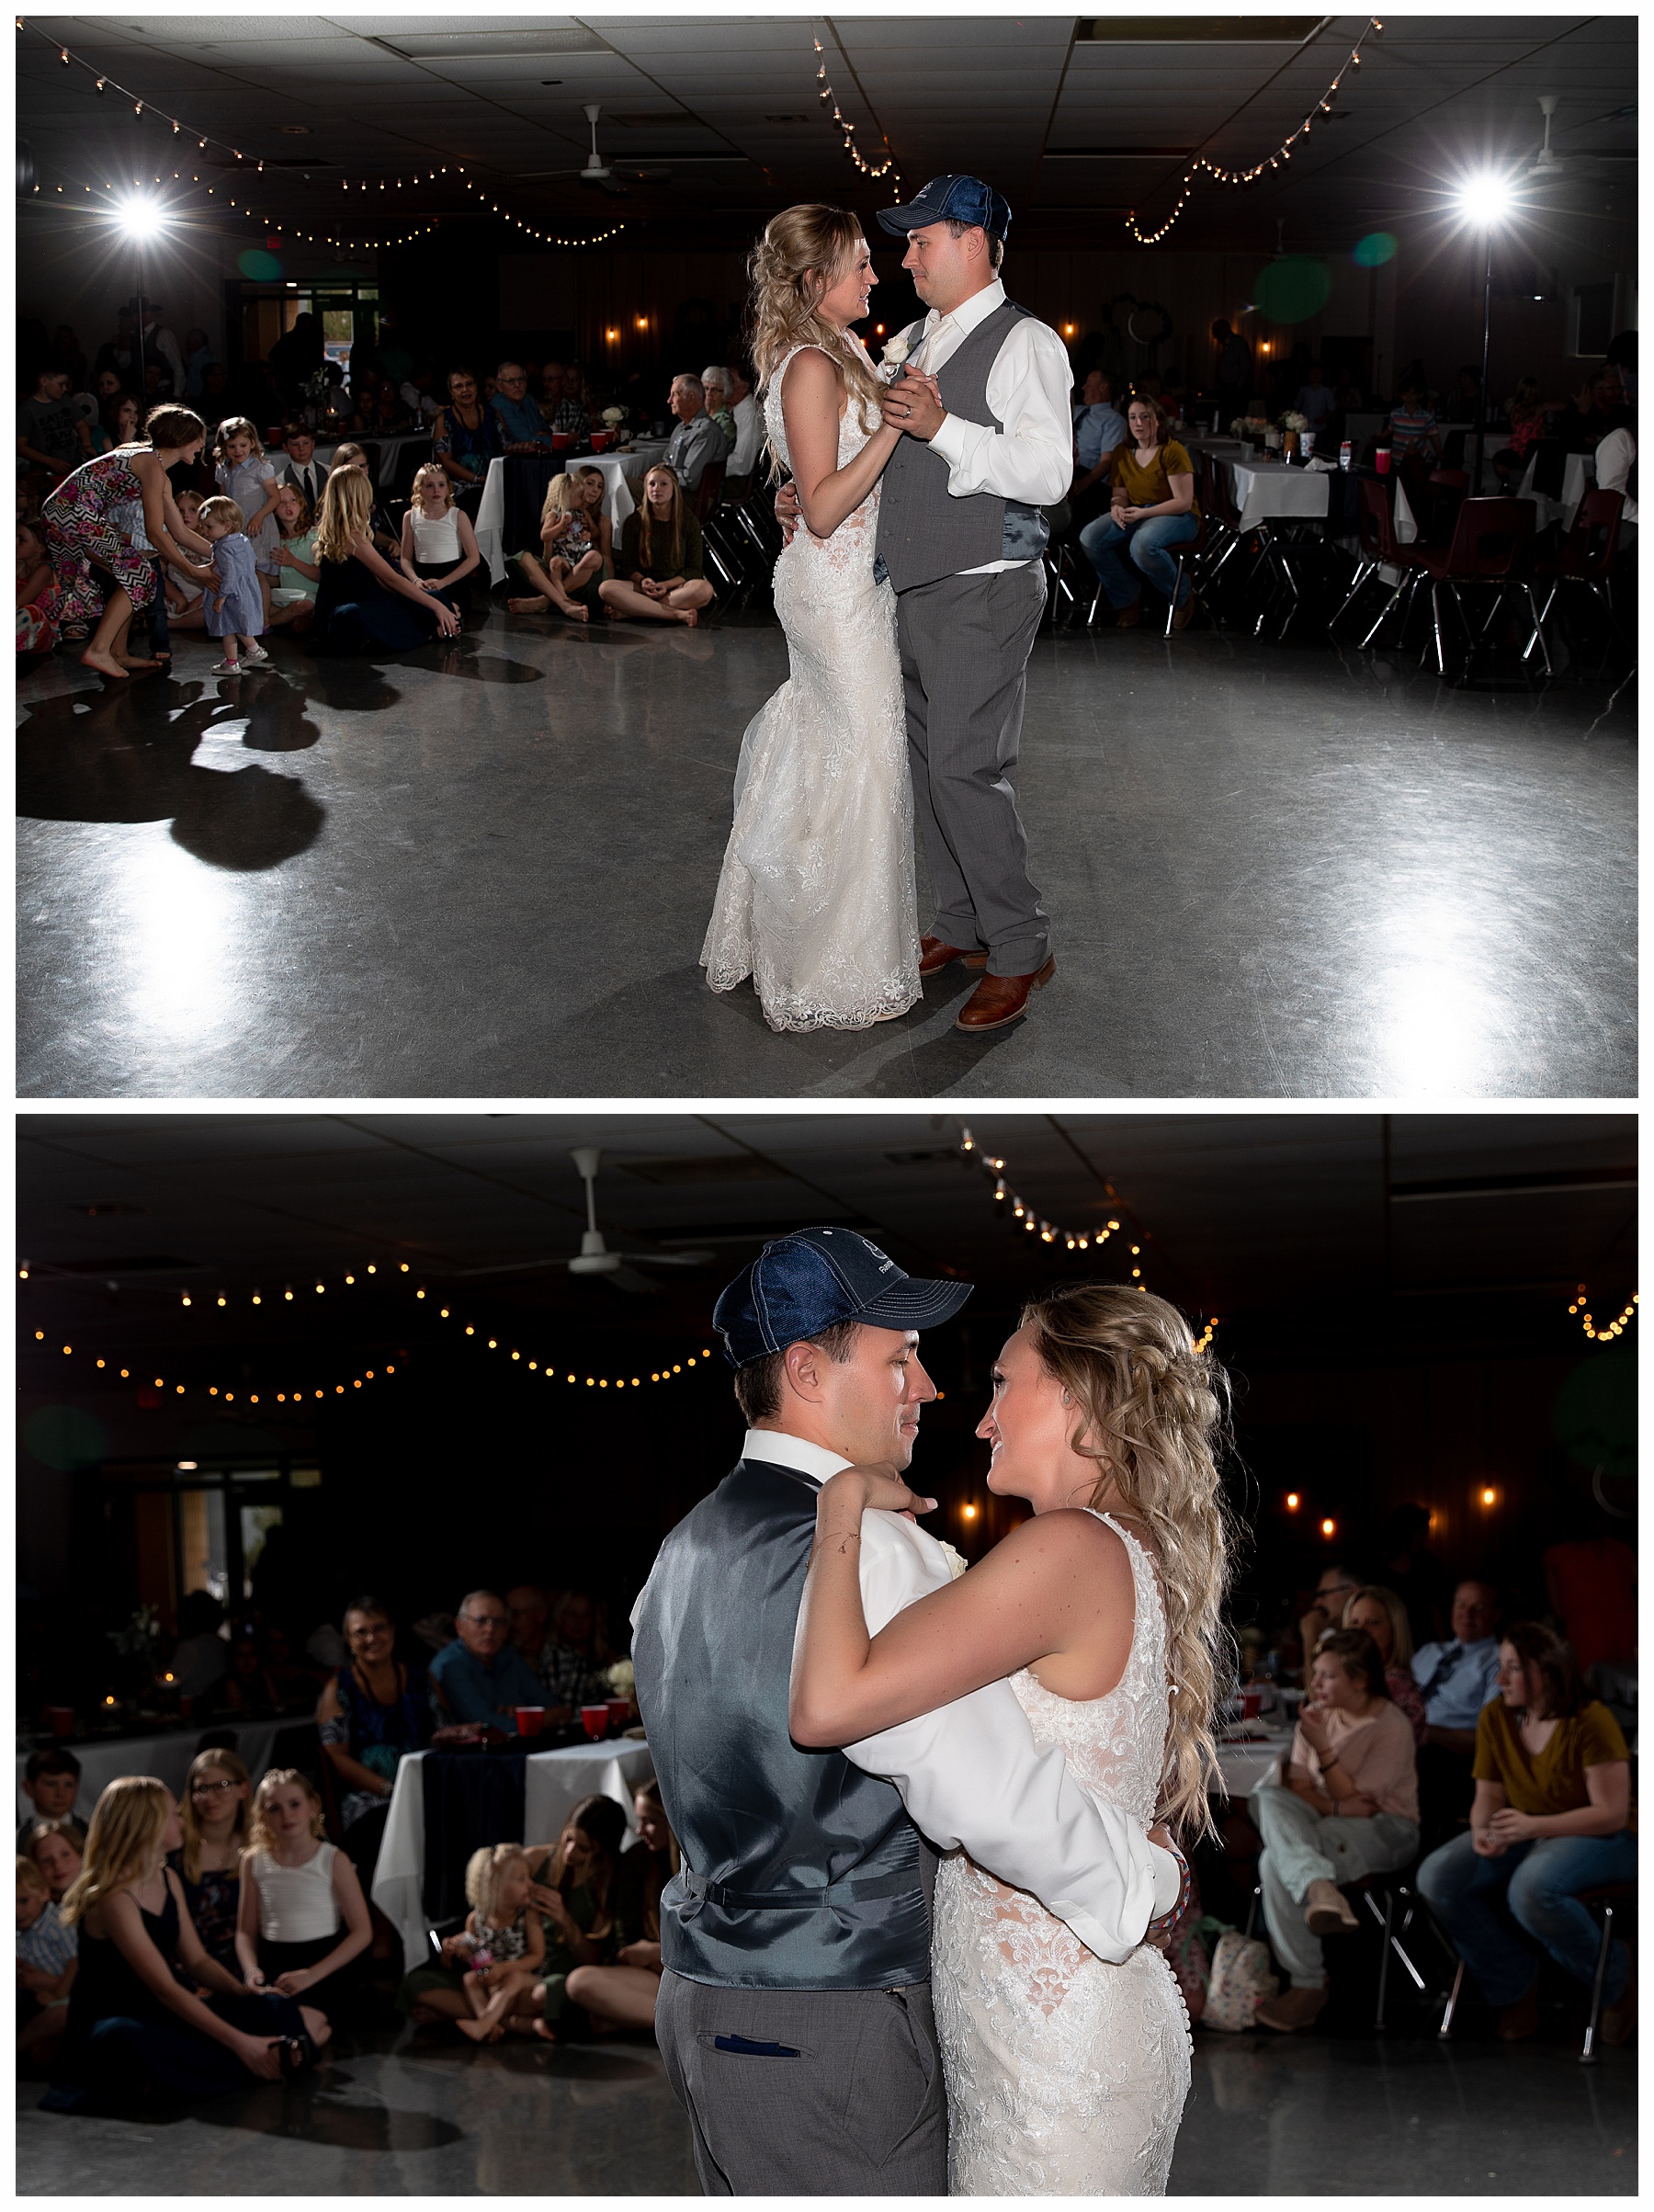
(235, 608)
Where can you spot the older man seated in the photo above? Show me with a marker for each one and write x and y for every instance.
(522, 425)
(481, 1676)
(1099, 427)
(1456, 1679)
(698, 439)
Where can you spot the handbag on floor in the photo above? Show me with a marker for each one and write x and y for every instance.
(1242, 1980)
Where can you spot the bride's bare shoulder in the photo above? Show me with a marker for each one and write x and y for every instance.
(812, 379)
(1067, 1542)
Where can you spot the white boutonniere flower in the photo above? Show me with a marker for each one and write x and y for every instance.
(895, 353)
(956, 1561)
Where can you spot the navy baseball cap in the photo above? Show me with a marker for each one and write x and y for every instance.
(950, 200)
(801, 1285)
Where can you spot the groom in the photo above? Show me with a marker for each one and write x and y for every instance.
(795, 2014)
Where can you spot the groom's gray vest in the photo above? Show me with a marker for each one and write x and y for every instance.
(799, 1871)
(924, 532)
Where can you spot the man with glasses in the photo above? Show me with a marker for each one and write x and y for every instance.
(1337, 1586)
(483, 1676)
(522, 425)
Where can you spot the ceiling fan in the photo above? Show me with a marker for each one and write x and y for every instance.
(596, 170)
(1547, 164)
(619, 1269)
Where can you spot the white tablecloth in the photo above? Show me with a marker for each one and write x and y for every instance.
(391, 451)
(166, 1757)
(1579, 471)
(1247, 1767)
(553, 1784)
(1266, 491)
(617, 503)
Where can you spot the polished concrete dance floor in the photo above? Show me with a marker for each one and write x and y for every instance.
(1305, 2118)
(484, 871)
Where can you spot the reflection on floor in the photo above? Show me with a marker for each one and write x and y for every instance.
(485, 869)
(421, 2117)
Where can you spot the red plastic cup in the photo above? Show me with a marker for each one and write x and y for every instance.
(620, 1711)
(600, 440)
(1381, 461)
(530, 1720)
(593, 1718)
(562, 440)
(59, 1719)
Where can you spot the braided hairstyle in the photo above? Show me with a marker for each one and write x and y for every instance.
(1153, 1413)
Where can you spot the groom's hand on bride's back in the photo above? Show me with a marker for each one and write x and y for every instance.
(786, 511)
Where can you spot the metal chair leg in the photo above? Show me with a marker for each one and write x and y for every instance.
(1252, 1910)
(1096, 603)
(1435, 612)
(1452, 1997)
(1589, 2055)
(1538, 636)
(1363, 570)
(1389, 1922)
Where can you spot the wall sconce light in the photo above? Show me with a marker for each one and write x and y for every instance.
(1489, 1497)
(1328, 1528)
(1293, 1501)
(967, 1513)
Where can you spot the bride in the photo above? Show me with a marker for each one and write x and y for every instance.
(817, 900)
(1066, 2075)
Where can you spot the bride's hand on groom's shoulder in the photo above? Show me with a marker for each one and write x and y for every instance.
(877, 1485)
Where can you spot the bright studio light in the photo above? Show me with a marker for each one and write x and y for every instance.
(139, 217)
(1485, 199)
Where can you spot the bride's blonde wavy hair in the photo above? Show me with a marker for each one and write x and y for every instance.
(802, 253)
(1154, 1413)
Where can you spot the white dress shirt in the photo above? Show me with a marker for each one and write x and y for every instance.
(1615, 459)
(749, 433)
(971, 1774)
(1032, 459)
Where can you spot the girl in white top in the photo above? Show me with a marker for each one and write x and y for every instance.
(303, 1917)
(438, 545)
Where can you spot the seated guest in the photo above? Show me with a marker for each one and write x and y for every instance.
(245, 1688)
(550, 392)
(1468, 396)
(303, 1922)
(572, 417)
(1595, 409)
(57, 1848)
(134, 2022)
(293, 600)
(1551, 1817)
(528, 1610)
(1316, 400)
(1457, 1678)
(1338, 1584)
(1379, 1613)
(570, 553)
(574, 1662)
(37, 603)
(1152, 507)
(1526, 418)
(503, 1949)
(52, 1784)
(1099, 430)
(50, 430)
(659, 572)
(294, 1677)
(201, 1658)
(1410, 431)
(697, 438)
(623, 1993)
(576, 1886)
(749, 433)
(373, 1712)
(46, 1966)
(1350, 1808)
(465, 437)
(299, 466)
(213, 1814)
(352, 456)
(363, 604)
(438, 545)
(522, 425)
(1615, 464)
(480, 1676)
(715, 385)
(117, 423)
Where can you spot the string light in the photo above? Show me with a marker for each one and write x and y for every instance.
(400, 183)
(829, 99)
(1617, 1327)
(549, 1370)
(546, 237)
(241, 1393)
(1221, 175)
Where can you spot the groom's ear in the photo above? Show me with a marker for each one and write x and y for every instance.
(801, 1370)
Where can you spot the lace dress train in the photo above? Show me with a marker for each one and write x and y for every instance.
(1066, 2074)
(817, 901)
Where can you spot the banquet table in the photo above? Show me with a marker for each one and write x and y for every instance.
(515, 492)
(1246, 1765)
(391, 451)
(1578, 472)
(1272, 490)
(554, 1783)
(165, 1755)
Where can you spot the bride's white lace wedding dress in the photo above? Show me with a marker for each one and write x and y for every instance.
(1066, 2075)
(817, 901)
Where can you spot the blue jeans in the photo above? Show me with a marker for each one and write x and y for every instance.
(1106, 546)
(1541, 1877)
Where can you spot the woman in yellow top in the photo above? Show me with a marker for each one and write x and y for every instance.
(1152, 508)
(1552, 1817)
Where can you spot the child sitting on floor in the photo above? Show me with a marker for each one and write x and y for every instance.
(505, 1943)
(303, 1918)
(47, 1958)
(57, 1848)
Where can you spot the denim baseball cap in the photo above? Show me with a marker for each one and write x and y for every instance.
(802, 1284)
(950, 200)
